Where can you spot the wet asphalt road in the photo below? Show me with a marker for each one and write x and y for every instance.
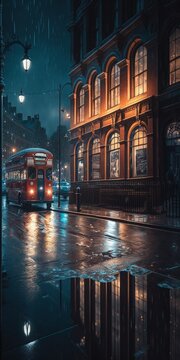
(46, 245)
(41, 247)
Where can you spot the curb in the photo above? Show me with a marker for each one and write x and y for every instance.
(135, 223)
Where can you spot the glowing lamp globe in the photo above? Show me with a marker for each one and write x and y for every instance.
(26, 61)
(21, 97)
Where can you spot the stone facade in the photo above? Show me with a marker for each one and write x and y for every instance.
(132, 52)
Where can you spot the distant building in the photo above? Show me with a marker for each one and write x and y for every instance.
(125, 124)
(34, 124)
(18, 134)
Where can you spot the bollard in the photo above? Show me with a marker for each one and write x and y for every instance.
(78, 202)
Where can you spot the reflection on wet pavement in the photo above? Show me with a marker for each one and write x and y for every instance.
(135, 316)
(63, 299)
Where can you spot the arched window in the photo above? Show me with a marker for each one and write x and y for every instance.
(114, 85)
(95, 159)
(114, 155)
(95, 95)
(138, 152)
(80, 105)
(174, 56)
(173, 152)
(80, 162)
(139, 71)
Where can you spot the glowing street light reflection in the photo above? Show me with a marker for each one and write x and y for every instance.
(27, 328)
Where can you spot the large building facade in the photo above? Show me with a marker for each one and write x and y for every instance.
(125, 123)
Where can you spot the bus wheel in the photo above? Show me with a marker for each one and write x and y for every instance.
(48, 206)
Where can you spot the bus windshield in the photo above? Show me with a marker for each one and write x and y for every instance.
(31, 173)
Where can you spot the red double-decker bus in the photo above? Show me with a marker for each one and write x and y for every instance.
(29, 177)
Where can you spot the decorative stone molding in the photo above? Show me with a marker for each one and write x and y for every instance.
(103, 75)
(113, 121)
(83, 68)
(99, 57)
(122, 63)
(93, 128)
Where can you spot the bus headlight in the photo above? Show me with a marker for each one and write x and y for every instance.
(49, 192)
(31, 191)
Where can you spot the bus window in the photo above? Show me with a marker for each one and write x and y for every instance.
(49, 174)
(31, 173)
(23, 175)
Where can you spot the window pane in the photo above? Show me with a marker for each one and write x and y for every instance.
(115, 86)
(114, 163)
(178, 75)
(141, 65)
(95, 96)
(178, 63)
(172, 65)
(172, 50)
(96, 146)
(96, 166)
(174, 56)
(80, 169)
(172, 78)
(139, 152)
(112, 98)
(140, 71)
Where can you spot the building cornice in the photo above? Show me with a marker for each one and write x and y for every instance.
(113, 39)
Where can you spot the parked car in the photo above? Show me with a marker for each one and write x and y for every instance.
(64, 188)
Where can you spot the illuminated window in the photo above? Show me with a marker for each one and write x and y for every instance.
(138, 152)
(23, 175)
(174, 57)
(80, 105)
(95, 96)
(114, 85)
(114, 155)
(80, 163)
(140, 71)
(95, 159)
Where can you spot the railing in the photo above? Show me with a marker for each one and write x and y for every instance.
(138, 196)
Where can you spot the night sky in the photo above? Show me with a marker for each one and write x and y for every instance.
(43, 23)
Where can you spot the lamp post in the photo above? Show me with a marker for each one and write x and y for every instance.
(4, 46)
(60, 90)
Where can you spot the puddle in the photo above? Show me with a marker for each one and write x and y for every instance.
(134, 314)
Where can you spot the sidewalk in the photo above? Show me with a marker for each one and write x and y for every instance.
(152, 221)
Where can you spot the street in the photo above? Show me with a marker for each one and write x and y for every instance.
(42, 248)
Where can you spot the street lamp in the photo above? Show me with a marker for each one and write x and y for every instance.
(60, 90)
(4, 46)
(26, 61)
(21, 97)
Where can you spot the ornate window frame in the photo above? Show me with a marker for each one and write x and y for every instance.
(174, 56)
